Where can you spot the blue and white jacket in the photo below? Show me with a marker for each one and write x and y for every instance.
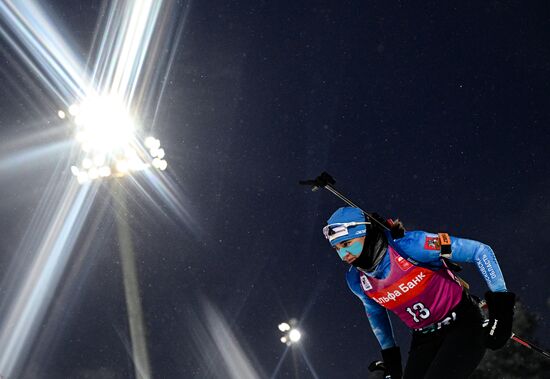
(414, 245)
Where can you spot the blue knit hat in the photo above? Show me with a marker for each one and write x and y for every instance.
(345, 215)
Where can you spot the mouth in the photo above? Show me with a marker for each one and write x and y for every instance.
(350, 258)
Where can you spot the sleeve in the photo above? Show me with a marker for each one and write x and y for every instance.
(470, 251)
(378, 316)
(424, 247)
(421, 246)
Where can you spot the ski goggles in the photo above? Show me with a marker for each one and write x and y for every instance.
(341, 229)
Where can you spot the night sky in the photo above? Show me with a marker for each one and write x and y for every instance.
(433, 112)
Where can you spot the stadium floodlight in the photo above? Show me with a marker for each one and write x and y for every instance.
(294, 335)
(291, 333)
(284, 327)
(109, 140)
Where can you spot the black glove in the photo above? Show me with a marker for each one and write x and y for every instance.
(392, 362)
(501, 315)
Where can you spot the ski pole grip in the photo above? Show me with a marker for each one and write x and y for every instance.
(321, 181)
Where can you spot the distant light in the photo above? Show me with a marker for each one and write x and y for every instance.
(136, 164)
(291, 334)
(93, 173)
(104, 171)
(148, 142)
(87, 163)
(82, 177)
(61, 114)
(80, 137)
(75, 170)
(99, 160)
(158, 153)
(74, 109)
(122, 166)
(86, 147)
(294, 335)
(152, 143)
(284, 327)
(163, 165)
(105, 122)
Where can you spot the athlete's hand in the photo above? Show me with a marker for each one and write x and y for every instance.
(501, 315)
(392, 362)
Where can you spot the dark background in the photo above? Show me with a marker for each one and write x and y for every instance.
(433, 112)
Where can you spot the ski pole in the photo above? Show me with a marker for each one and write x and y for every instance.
(530, 345)
(327, 182)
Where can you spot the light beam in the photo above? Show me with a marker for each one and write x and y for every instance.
(46, 50)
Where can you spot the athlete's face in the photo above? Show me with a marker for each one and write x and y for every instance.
(342, 247)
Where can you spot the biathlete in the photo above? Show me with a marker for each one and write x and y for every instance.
(408, 273)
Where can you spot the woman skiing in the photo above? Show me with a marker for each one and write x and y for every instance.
(408, 273)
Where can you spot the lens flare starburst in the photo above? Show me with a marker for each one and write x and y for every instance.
(119, 80)
(109, 140)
